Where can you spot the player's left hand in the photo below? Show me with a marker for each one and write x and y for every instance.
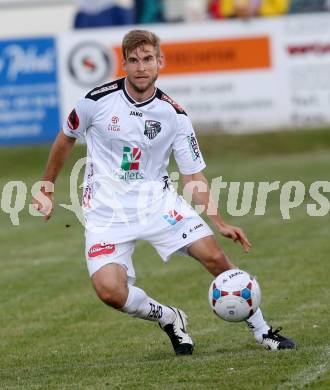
(235, 233)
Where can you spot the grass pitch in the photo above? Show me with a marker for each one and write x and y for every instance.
(56, 334)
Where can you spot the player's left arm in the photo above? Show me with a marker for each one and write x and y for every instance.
(204, 198)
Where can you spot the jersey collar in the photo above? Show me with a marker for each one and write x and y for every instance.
(137, 104)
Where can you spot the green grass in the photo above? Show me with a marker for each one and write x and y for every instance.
(56, 334)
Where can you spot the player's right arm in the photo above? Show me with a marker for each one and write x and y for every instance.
(75, 127)
(59, 153)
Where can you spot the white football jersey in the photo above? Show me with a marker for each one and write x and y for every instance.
(128, 149)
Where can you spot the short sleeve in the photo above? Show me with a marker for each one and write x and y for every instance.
(186, 149)
(79, 119)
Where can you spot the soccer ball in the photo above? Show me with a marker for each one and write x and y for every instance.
(234, 295)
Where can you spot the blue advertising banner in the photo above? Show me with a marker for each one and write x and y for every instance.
(29, 92)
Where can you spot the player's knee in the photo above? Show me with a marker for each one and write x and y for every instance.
(110, 284)
(113, 295)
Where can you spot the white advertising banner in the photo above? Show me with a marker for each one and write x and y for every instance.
(304, 63)
(232, 76)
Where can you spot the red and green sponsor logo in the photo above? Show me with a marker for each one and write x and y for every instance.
(131, 159)
(130, 164)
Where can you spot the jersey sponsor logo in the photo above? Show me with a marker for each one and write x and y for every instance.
(172, 102)
(152, 128)
(193, 145)
(136, 113)
(172, 217)
(130, 165)
(101, 249)
(104, 89)
(73, 120)
(128, 176)
(131, 159)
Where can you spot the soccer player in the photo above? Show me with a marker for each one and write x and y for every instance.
(131, 128)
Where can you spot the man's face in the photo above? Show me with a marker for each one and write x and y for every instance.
(142, 67)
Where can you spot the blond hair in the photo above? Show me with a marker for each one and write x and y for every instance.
(137, 38)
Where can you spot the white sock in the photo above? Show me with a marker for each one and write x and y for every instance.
(139, 305)
(258, 325)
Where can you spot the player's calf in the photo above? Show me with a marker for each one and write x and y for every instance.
(110, 283)
(171, 320)
(208, 252)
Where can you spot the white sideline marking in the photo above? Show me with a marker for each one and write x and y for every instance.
(309, 375)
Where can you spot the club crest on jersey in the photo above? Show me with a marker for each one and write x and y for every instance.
(152, 128)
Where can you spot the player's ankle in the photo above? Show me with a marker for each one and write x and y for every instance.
(258, 335)
(168, 317)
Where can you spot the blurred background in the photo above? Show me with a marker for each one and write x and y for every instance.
(236, 66)
(21, 17)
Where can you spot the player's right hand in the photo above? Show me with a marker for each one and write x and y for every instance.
(43, 202)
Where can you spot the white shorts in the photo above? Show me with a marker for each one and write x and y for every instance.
(168, 232)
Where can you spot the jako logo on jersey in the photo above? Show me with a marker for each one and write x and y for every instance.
(101, 249)
(193, 145)
(73, 120)
(136, 113)
(152, 128)
(131, 159)
(173, 217)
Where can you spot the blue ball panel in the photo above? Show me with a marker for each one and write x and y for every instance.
(246, 293)
(216, 294)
